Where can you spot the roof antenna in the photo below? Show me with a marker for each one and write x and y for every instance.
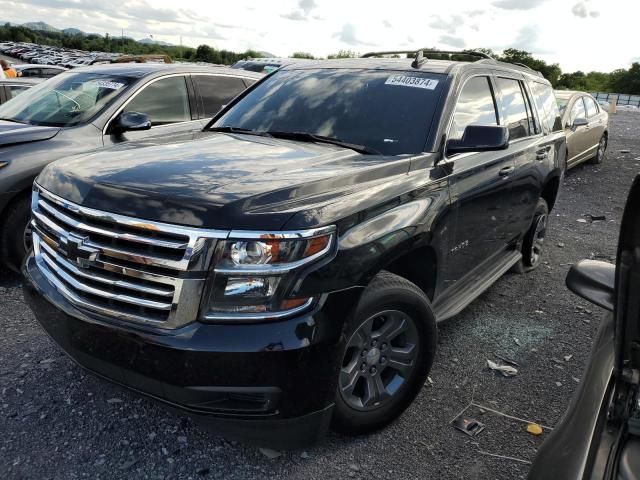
(419, 60)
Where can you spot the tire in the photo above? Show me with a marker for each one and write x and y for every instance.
(14, 244)
(601, 152)
(533, 240)
(389, 304)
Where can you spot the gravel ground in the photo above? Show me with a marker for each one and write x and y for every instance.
(56, 421)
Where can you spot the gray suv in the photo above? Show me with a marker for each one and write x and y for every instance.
(95, 107)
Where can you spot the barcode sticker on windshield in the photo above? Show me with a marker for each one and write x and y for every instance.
(407, 81)
(109, 85)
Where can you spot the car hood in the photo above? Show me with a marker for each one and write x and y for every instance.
(11, 133)
(216, 181)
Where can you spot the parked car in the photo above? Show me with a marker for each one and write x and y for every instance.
(598, 437)
(11, 87)
(38, 71)
(286, 269)
(264, 65)
(586, 125)
(90, 108)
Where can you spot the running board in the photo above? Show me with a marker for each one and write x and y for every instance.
(465, 292)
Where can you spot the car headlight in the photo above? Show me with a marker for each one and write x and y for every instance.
(255, 272)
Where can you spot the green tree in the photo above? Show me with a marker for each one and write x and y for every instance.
(303, 55)
(344, 54)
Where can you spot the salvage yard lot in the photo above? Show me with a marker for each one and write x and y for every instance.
(56, 421)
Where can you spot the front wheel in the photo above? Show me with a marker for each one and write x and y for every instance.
(390, 346)
(601, 152)
(533, 240)
(15, 237)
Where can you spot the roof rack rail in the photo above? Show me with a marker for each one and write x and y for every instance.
(426, 51)
(391, 52)
(521, 65)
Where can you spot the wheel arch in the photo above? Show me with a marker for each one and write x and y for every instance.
(550, 190)
(418, 265)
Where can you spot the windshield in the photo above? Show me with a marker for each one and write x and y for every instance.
(65, 100)
(562, 104)
(386, 111)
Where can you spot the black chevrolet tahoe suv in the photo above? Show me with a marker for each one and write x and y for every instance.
(285, 271)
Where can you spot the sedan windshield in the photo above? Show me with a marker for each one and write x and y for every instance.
(385, 111)
(65, 100)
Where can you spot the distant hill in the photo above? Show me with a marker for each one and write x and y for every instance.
(40, 26)
(73, 31)
(150, 41)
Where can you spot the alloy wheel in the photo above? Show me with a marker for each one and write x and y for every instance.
(379, 359)
(602, 146)
(539, 234)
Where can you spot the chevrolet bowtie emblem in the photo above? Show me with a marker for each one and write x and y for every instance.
(75, 250)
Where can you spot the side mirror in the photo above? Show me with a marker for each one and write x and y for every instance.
(579, 122)
(480, 138)
(130, 122)
(594, 281)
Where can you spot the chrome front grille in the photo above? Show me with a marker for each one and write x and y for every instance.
(125, 268)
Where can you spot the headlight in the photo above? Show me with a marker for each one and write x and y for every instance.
(254, 273)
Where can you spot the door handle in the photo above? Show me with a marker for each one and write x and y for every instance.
(506, 171)
(542, 154)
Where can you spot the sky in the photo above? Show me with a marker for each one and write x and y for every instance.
(578, 34)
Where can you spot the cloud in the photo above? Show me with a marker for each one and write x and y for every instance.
(295, 15)
(582, 10)
(387, 23)
(302, 12)
(452, 41)
(132, 10)
(518, 4)
(348, 35)
(449, 24)
(306, 6)
(474, 13)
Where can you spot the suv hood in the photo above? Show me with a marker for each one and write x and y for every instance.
(11, 132)
(217, 181)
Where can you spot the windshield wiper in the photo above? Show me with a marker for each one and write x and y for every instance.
(245, 131)
(311, 137)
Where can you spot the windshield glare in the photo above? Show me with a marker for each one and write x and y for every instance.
(65, 100)
(386, 111)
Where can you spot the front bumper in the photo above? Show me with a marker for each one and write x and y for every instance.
(271, 384)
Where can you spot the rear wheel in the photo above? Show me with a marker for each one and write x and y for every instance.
(391, 343)
(533, 240)
(15, 238)
(601, 152)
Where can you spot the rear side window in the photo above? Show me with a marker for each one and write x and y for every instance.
(592, 108)
(517, 116)
(216, 91)
(577, 111)
(164, 101)
(50, 72)
(31, 72)
(17, 89)
(475, 106)
(547, 106)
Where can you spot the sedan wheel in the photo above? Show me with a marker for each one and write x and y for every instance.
(601, 152)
